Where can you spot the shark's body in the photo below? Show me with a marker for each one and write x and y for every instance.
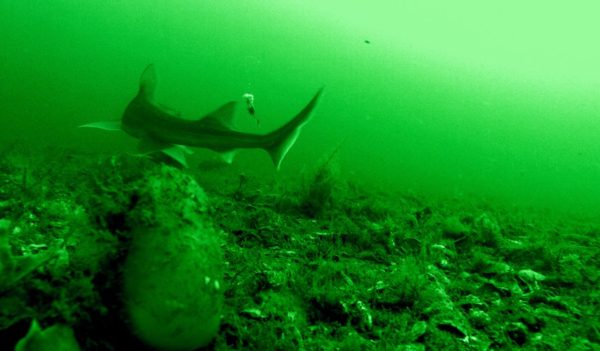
(160, 129)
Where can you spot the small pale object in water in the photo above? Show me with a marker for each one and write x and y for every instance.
(250, 104)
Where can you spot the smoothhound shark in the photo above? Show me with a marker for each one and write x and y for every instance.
(161, 129)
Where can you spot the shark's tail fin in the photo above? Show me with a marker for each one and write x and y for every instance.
(281, 140)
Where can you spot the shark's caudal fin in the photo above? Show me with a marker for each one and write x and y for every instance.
(285, 136)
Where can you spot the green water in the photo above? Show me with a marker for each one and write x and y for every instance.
(496, 101)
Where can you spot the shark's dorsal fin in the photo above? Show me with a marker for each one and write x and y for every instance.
(148, 82)
(168, 110)
(221, 118)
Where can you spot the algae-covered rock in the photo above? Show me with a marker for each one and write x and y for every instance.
(453, 228)
(174, 269)
(488, 230)
(572, 269)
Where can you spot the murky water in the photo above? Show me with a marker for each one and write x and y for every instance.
(461, 99)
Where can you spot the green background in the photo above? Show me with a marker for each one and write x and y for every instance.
(451, 98)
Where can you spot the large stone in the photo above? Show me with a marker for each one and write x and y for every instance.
(174, 269)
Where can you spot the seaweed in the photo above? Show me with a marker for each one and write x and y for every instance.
(325, 191)
(332, 265)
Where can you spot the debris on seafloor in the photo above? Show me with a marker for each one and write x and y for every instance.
(15, 268)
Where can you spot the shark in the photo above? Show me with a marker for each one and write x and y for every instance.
(162, 129)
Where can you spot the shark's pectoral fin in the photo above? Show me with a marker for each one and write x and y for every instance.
(105, 125)
(177, 154)
(147, 146)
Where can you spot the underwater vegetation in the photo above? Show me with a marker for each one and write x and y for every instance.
(122, 253)
(324, 189)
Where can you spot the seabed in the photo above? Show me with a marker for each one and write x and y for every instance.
(321, 264)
